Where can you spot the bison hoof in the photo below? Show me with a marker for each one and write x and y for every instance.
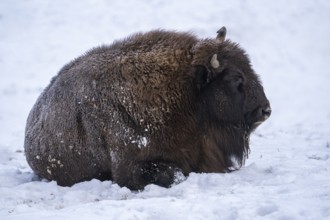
(159, 173)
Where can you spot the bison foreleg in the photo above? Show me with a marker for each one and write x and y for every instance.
(159, 173)
(150, 172)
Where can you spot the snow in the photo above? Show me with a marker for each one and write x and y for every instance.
(287, 175)
(142, 142)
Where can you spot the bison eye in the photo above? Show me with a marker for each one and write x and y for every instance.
(240, 85)
(237, 83)
(234, 81)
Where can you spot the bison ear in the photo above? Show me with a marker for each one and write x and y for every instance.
(205, 74)
(202, 76)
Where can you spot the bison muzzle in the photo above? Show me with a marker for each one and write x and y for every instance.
(145, 109)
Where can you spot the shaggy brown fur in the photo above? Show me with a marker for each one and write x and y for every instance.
(145, 108)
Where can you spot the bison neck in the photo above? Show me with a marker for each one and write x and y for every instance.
(224, 145)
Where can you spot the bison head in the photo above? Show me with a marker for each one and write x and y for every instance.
(231, 96)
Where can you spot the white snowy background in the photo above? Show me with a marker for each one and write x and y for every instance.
(287, 175)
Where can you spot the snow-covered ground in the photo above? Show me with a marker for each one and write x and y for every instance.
(287, 175)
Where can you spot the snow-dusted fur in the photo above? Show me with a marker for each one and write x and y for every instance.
(144, 108)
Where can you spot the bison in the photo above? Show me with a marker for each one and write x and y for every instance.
(145, 110)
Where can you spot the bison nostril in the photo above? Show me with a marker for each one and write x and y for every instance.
(267, 111)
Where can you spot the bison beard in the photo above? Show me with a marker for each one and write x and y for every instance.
(145, 110)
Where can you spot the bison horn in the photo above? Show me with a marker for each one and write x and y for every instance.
(221, 34)
(215, 62)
